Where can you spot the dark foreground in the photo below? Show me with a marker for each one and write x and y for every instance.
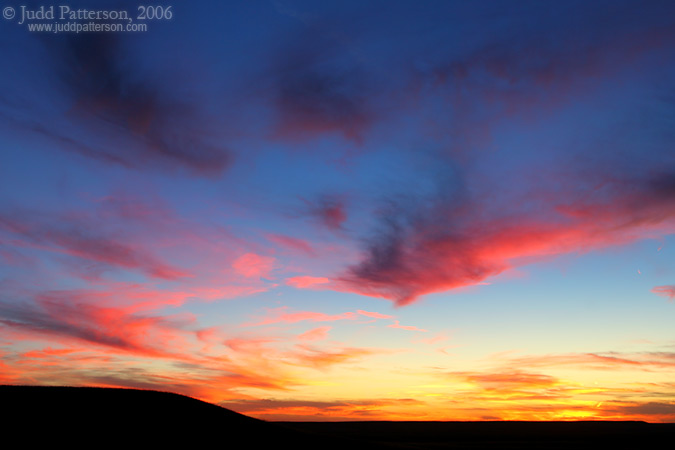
(90, 417)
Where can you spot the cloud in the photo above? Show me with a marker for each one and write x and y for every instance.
(650, 411)
(447, 240)
(292, 243)
(315, 334)
(329, 210)
(279, 315)
(488, 202)
(55, 317)
(298, 409)
(436, 339)
(80, 239)
(507, 380)
(665, 291)
(405, 327)
(539, 69)
(253, 265)
(248, 345)
(320, 358)
(48, 352)
(601, 361)
(303, 282)
(374, 315)
(107, 105)
(318, 88)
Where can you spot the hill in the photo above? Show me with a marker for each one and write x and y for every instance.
(91, 417)
(84, 417)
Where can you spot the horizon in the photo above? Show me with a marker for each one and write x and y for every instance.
(344, 211)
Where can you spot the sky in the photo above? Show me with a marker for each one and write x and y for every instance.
(346, 210)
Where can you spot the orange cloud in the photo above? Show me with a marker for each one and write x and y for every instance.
(506, 380)
(315, 334)
(405, 327)
(318, 358)
(48, 352)
(311, 410)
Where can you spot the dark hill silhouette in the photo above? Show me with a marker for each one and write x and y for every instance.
(88, 417)
(129, 418)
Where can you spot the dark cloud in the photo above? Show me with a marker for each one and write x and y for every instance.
(111, 99)
(291, 409)
(652, 410)
(328, 210)
(105, 82)
(318, 87)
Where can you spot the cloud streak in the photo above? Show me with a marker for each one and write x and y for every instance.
(665, 291)
(78, 239)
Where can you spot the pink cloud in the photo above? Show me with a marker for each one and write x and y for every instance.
(303, 282)
(73, 320)
(374, 315)
(86, 241)
(405, 262)
(665, 291)
(292, 243)
(279, 315)
(253, 265)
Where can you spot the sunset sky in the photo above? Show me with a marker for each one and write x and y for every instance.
(347, 210)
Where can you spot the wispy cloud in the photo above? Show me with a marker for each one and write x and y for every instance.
(280, 315)
(396, 324)
(252, 265)
(305, 281)
(665, 291)
(315, 334)
(78, 238)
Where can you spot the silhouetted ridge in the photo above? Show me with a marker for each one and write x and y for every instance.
(87, 417)
(120, 414)
(43, 417)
